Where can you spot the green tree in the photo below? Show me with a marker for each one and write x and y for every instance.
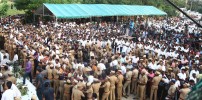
(3, 8)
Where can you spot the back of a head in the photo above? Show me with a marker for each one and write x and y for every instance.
(9, 84)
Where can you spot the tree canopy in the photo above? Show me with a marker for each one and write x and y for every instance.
(3, 8)
(30, 5)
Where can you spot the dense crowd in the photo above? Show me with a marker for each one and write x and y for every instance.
(148, 58)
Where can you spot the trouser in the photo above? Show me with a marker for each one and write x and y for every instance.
(35, 65)
(142, 92)
(66, 96)
(112, 93)
(25, 76)
(105, 96)
(98, 97)
(39, 94)
(56, 86)
(119, 92)
(126, 85)
(154, 90)
(134, 86)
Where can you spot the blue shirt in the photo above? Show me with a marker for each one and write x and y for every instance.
(48, 93)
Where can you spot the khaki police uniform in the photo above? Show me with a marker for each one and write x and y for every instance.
(119, 86)
(106, 90)
(154, 87)
(134, 81)
(113, 80)
(141, 86)
(127, 83)
(96, 87)
(183, 93)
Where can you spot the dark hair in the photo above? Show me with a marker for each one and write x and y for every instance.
(39, 69)
(9, 84)
(94, 95)
(47, 84)
(6, 67)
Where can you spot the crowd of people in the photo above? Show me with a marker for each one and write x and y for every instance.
(92, 61)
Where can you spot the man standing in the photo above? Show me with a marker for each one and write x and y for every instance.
(134, 80)
(39, 83)
(48, 93)
(142, 85)
(96, 86)
(154, 87)
(119, 85)
(106, 87)
(8, 94)
(127, 82)
(67, 90)
(113, 80)
(28, 69)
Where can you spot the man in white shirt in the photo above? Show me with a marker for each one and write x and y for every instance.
(9, 94)
(4, 61)
(16, 90)
(15, 58)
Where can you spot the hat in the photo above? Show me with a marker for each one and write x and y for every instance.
(3, 65)
(112, 72)
(88, 69)
(120, 71)
(173, 80)
(157, 73)
(141, 59)
(88, 84)
(183, 68)
(200, 66)
(10, 73)
(186, 67)
(34, 97)
(107, 77)
(170, 68)
(95, 80)
(144, 56)
(75, 81)
(51, 65)
(186, 84)
(68, 81)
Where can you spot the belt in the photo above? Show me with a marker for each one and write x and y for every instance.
(106, 92)
(142, 84)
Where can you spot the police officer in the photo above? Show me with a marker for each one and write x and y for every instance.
(154, 87)
(113, 80)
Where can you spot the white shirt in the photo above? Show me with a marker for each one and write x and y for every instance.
(4, 61)
(182, 76)
(135, 59)
(123, 70)
(15, 58)
(195, 80)
(90, 78)
(114, 63)
(101, 66)
(194, 71)
(16, 90)
(8, 95)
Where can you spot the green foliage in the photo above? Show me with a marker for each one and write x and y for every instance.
(3, 8)
(30, 5)
(23, 89)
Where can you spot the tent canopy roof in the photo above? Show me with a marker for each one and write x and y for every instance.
(95, 10)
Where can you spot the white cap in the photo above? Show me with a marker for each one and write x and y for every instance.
(88, 84)
(183, 68)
